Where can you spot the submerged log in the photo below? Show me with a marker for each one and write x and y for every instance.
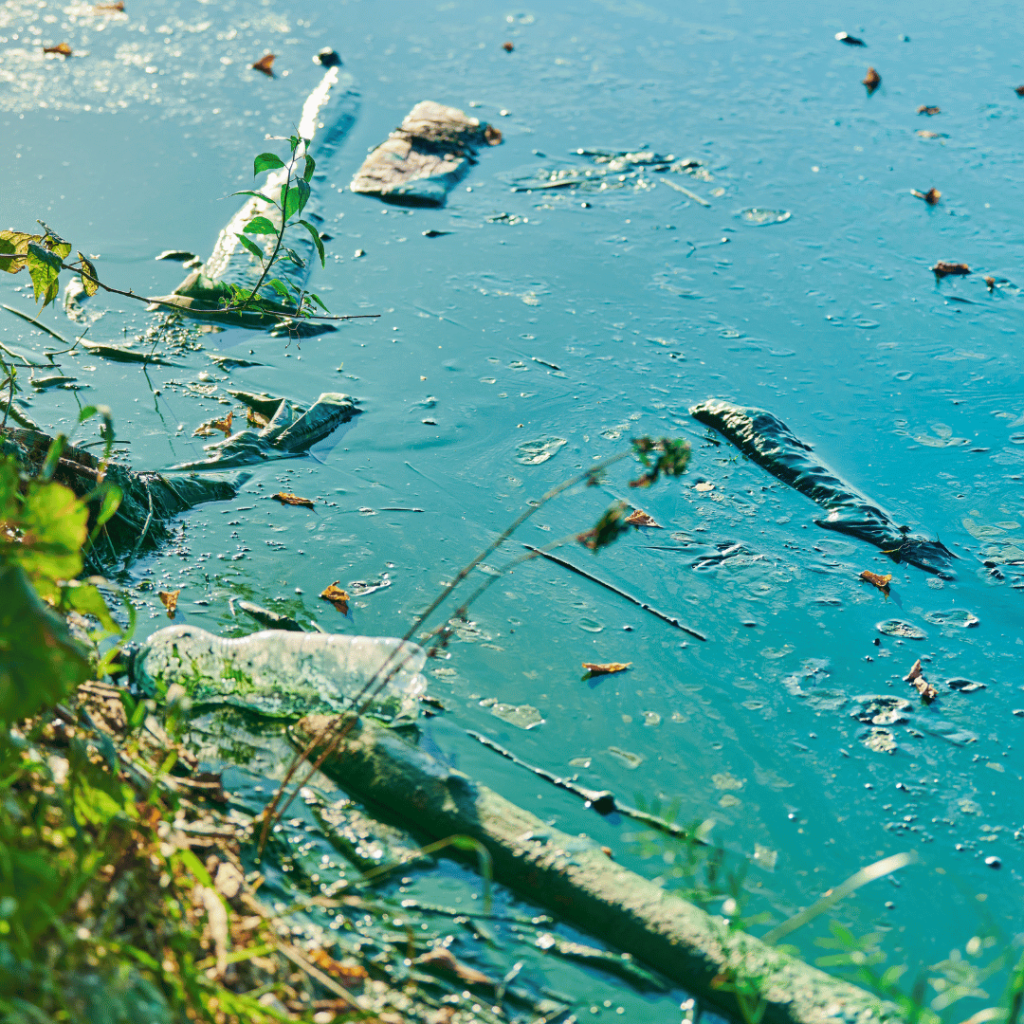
(148, 500)
(423, 159)
(580, 883)
(766, 440)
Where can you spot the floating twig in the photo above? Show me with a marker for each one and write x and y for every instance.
(670, 619)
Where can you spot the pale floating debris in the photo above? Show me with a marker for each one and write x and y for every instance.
(964, 685)
(881, 709)
(759, 217)
(899, 628)
(524, 716)
(954, 617)
(628, 758)
(533, 453)
(881, 741)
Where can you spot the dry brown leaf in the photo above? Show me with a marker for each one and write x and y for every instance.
(337, 597)
(116, 8)
(1019, 90)
(640, 518)
(210, 426)
(348, 975)
(62, 48)
(945, 269)
(291, 499)
(608, 668)
(170, 601)
(872, 80)
(255, 419)
(930, 111)
(265, 64)
(442, 959)
(882, 582)
(990, 283)
(917, 680)
(931, 197)
(507, 47)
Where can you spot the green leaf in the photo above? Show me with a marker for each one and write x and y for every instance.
(15, 243)
(88, 284)
(260, 226)
(316, 240)
(266, 162)
(296, 199)
(40, 663)
(316, 298)
(281, 288)
(54, 524)
(251, 246)
(307, 174)
(44, 268)
(85, 599)
(295, 257)
(54, 242)
(111, 502)
(256, 195)
(294, 140)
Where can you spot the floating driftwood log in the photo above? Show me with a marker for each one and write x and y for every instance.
(423, 159)
(580, 883)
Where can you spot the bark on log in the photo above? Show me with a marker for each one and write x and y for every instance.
(576, 880)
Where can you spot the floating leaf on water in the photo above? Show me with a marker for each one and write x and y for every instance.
(265, 64)
(292, 499)
(606, 669)
(337, 597)
(897, 627)
(917, 680)
(930, 111)
(523, 716)
(759, 217)
(207, 428)
(954, 617)
(882, 582)
(533, 453)
(931, 197)
(114, 8)
(62, 49)
(944, 268)
(508, 47)
(640, 518)
(881, 741)
(765, 857)
(871, 81)
(169, 598)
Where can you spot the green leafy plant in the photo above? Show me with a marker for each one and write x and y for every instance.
(270, 300)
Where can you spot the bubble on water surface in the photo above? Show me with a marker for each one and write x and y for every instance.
(897, 627)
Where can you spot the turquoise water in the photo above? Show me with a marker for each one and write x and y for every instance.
(592, 315)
